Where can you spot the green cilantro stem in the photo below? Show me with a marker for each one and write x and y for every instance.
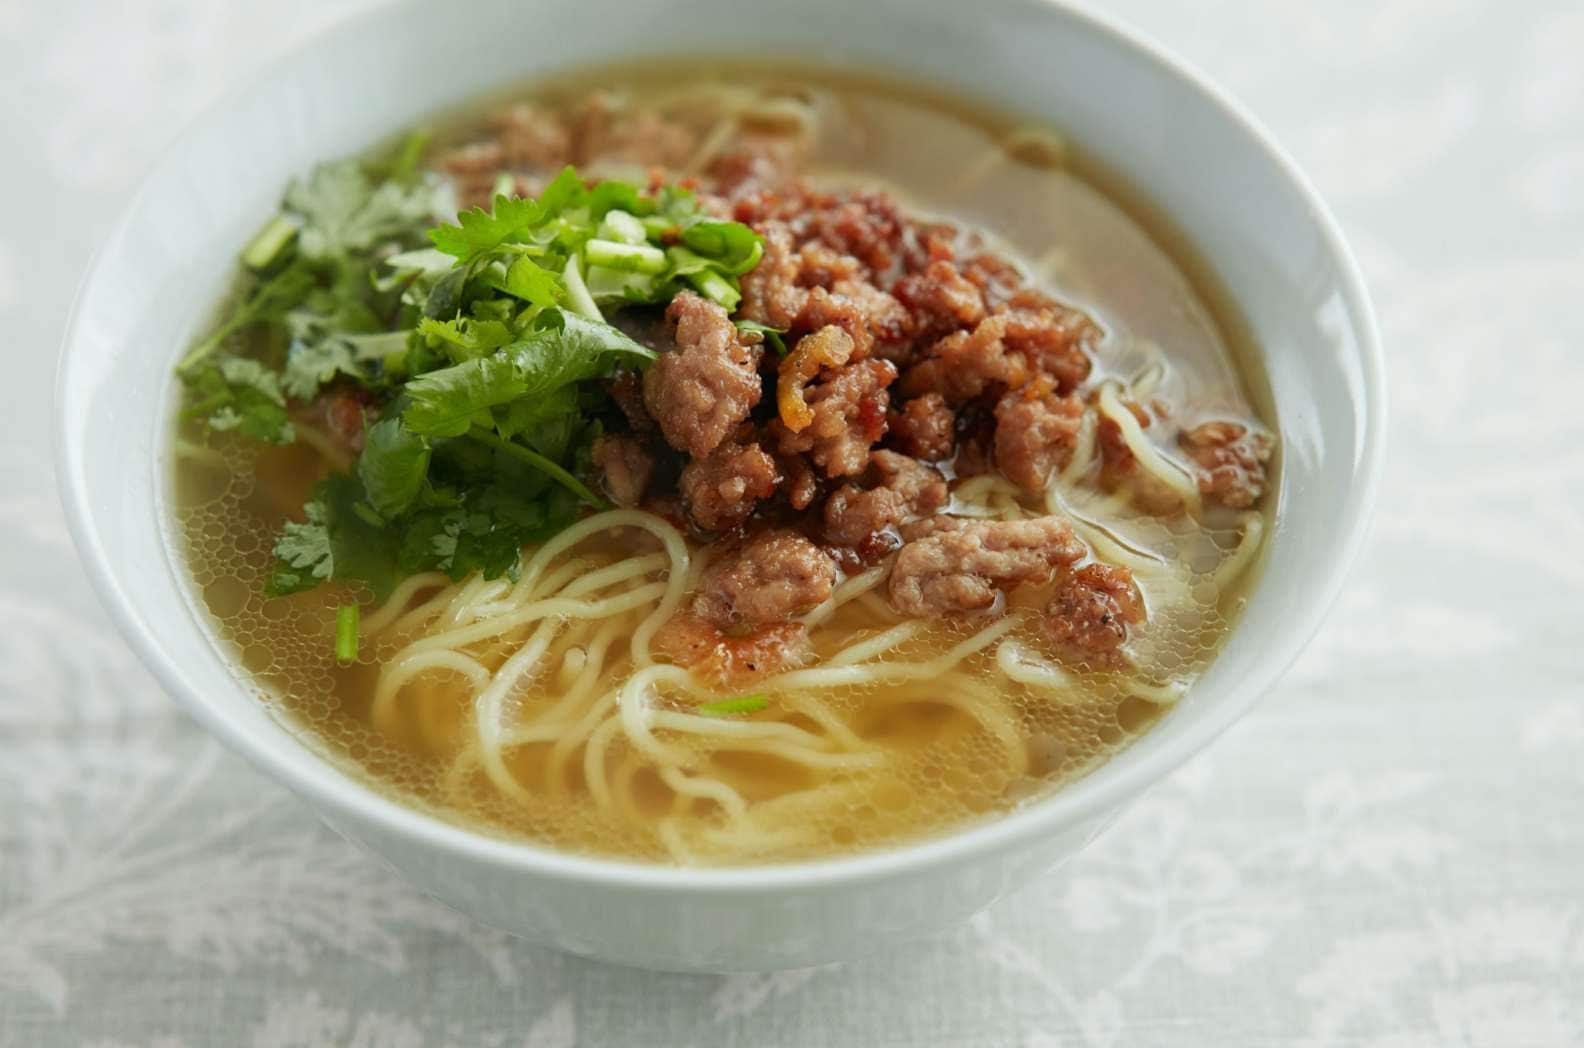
(733, 707)
(346, 641)
(638, 258)
(269, 245)
(488, 436)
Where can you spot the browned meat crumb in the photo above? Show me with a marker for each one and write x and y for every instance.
(924, 428)
(772, 577)
(1232, 458)
(824, 309)
(770, 291)
(694, 642)
(965, 569)
(1119, 467)
(901, 489)
(722, 488)
(820, 265)
(997, 279)
(801, 486)
(626, 389)
(941, 298)
(531, 138)
(603, 131)
(704, 387)
(1088, 617)
(627, 467)
(866, 224)
(1035, 434)
(965, 364)
(849, 418)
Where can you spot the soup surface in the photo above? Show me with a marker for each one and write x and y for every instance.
(908, 478)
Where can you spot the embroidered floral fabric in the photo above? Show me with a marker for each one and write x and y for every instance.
(1385, 854)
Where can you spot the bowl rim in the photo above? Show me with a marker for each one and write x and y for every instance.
(343, 798)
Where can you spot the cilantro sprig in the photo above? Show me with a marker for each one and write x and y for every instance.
(476, 351)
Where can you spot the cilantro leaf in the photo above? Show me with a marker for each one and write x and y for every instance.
(343, 212)
(466, 338)
(302, 553)
(236, 393)
(563, 349)
(532, 283)
(392, 467)
(477, 231)
(342, 538)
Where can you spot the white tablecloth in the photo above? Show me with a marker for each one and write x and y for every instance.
(1387, 853)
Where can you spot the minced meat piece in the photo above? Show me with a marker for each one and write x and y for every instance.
(770, 578)
(965, 569)
(888, 321)
(602, 131)
(770, 291)
(531, 138)
(824, 309)
(901, 489)
(1035, 434)
(731, 658)
(820, 265)
(924, 428)
(1006, 349)
(626, 389)
(801, 486)
(1088, 617)
(996, 278)
(626, 465)
(941, 298)
(722, 488)
(965, 364)
(705, 386)
(849, 409)
(867, 225)
(1232, 458)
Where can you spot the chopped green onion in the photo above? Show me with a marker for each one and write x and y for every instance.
(346, 642)
(639, 258)
(269, 245)
(578, 297)
(716, 288)
(658, 227)
(616, 284)
(623, 227)
(733, 707)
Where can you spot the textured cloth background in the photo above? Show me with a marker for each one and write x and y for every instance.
(1388, 853)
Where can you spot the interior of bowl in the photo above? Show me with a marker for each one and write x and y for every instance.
(1186, 150)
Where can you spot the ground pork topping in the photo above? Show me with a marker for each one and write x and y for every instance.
(1035, 434)
(1231, 459)
(902, 489)
(1088, 617)
(966, 568)
(773, 576)
(626, 465)
(722, 488)
(704, 387)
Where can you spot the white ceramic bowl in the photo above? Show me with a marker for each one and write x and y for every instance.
(1188, 149)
